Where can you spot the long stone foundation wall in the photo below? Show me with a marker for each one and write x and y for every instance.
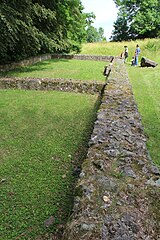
(25, 62)
(33, 60)
(51, 84)
(84, 57)
(116, 195)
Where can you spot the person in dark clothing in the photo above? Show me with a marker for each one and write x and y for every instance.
(125, 53)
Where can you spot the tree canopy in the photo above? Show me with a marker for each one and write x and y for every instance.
(137, 20)
(32, 27)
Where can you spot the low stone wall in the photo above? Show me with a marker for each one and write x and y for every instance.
(25, 62)
(117, 193)
(84, 57)
(51, 84)
(36, 59)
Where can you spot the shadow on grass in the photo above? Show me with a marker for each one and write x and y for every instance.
(40, 66)
(66, 209)
(79, 157)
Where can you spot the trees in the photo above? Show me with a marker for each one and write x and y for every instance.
(31, 27)
(101, 34)
(137, 19)
(16, 31)
(121, 29)
(92, 34)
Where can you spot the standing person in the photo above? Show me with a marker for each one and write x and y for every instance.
(125, 53)
(137, 52)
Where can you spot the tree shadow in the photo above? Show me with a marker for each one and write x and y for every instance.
(40, 66)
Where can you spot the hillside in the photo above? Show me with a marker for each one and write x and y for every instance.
(149, 48)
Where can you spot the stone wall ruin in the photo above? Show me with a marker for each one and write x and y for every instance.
(36, 59)
(117, 191)
(118, 185)
(56, 84)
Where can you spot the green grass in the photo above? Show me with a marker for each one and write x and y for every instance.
(146, 87)
(63, 68)
(43, 134)
(150, 48)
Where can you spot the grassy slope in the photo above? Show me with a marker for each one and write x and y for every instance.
(145, 83)
(149, 48)
(42, 133)
(63, 68)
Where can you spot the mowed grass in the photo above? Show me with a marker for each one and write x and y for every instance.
(43, 135)
(62, 68)
(146, 87)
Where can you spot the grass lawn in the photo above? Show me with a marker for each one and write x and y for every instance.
(146, 87)
(43, 134)
(63, 68)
